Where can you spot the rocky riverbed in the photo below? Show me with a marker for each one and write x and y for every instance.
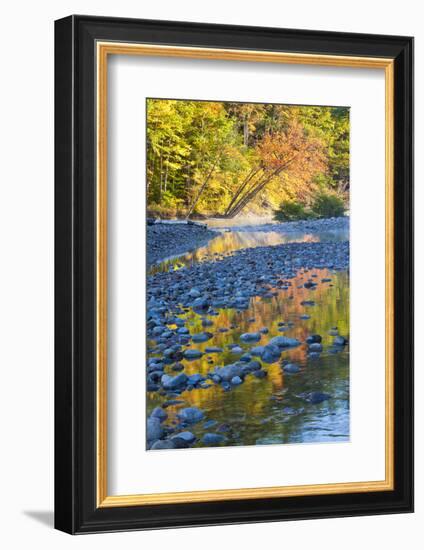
(324, 225)
(189, 354)
(165, 240)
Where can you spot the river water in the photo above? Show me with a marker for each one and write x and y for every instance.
(272, 410)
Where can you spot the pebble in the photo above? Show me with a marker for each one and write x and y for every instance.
(213, 439)
(213, 349)
(291, 368)
(250, 337)
(315, 347)
(163, 444)
(186, 436)
(192, 354)
(314, 339)
(201, 337)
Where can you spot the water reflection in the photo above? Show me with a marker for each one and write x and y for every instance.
(272, 410)
(228, 242)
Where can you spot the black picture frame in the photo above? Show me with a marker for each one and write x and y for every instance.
(76, 510)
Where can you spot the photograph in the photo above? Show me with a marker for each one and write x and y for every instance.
(233, 272)
(247, 295)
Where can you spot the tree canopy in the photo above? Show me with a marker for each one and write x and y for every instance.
(223, 158)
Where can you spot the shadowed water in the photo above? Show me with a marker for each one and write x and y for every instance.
(273, 409)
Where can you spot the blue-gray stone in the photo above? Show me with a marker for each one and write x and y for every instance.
(257, 351)
(314, 339)
(174, 382)
(187, 436)
(251, 337)
(163, 444)
(284, 342)
(318, 397)
(291, 368)
(158, 412)
(209, 423)
(153, 429)
(271, 353)
(229, 371)
(191, 415)
(201, 337)
(315, 347)
(200, 303)
(195, 378)
(194, 293)
(259, 373)
(192, 354)
(213, 439)
(213, 349)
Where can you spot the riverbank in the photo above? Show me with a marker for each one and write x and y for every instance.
(302, 226)
(165, 240)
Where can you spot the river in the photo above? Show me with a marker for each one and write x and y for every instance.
(272, 410)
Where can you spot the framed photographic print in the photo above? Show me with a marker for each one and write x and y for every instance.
(233, 274)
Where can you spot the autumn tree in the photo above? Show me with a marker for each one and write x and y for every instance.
(291, 151)
(218, 158)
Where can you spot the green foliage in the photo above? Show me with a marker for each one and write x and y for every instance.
(328, 205)
(290, 211)
(201, 155)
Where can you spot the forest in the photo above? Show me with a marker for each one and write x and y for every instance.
(223, 159)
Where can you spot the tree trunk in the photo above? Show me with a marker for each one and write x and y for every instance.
(251, 194)
(203, 186)
(241, 188)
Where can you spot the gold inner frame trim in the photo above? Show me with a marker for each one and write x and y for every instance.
(103, 50)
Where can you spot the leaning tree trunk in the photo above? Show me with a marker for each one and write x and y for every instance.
(202, 188)
(250, 194)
